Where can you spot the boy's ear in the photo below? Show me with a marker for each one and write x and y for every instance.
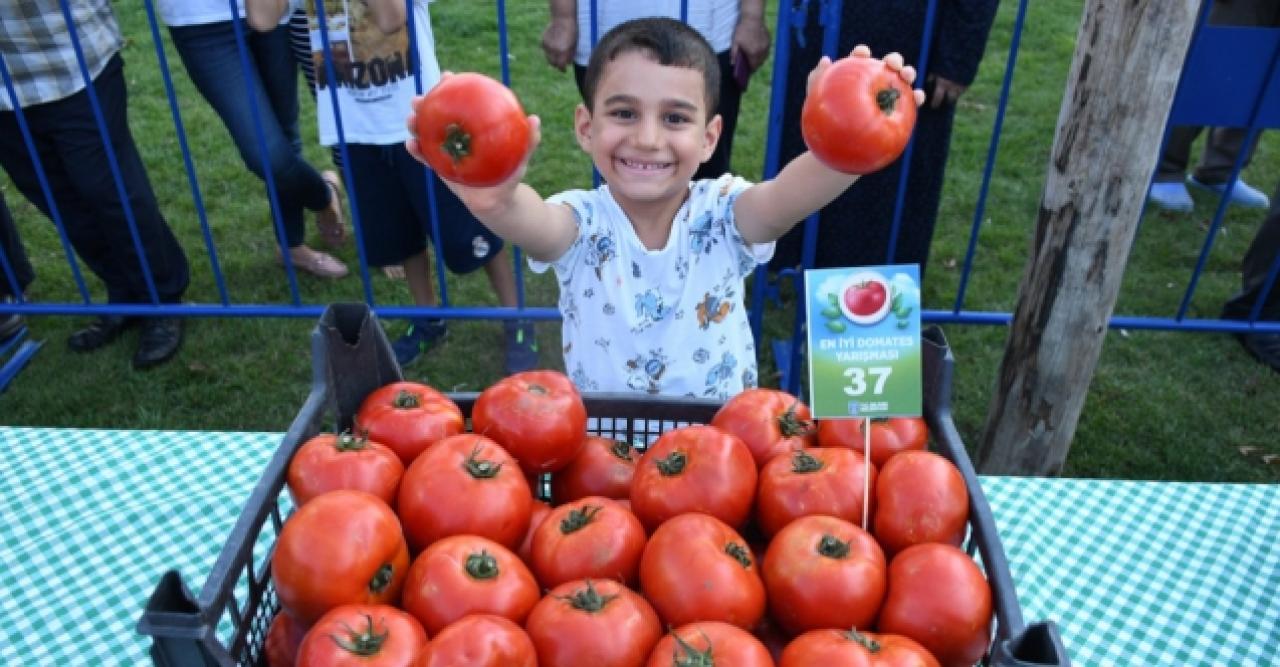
(582, 126)
(711, 136)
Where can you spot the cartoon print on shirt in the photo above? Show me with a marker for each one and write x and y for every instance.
(650, 309)
(635, 270)
(701, 355)
(701, 240)
(715, 305)
(582, 380)
(749, 379)
(645, 374)
(600, 249)
(720, 374)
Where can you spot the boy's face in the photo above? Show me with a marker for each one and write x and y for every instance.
(648, 130)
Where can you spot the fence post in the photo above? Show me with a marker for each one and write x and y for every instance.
(1123, 77)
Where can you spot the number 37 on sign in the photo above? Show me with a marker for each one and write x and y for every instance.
(864, 341)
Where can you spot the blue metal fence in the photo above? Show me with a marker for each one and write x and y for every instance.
(1223, 65)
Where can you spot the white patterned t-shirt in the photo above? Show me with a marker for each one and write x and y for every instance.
(671, 321)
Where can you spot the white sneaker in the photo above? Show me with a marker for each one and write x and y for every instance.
(1171, 197)
(1243, 194)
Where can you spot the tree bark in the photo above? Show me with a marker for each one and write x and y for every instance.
(1123, 78)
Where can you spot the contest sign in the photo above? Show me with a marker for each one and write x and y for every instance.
(864, 341)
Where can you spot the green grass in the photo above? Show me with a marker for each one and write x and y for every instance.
(1163, 405)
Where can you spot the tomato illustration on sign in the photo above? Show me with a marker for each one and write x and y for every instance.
(864, 298)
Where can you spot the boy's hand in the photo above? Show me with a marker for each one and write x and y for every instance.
(892, 60)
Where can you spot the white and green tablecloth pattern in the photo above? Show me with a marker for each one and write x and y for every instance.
(91, 519)
(1147, 573)
(1134, 573)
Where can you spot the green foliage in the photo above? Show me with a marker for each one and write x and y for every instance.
(1163, 405)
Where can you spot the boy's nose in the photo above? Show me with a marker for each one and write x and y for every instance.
(647, 134)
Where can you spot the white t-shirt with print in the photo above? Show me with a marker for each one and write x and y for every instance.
(671, 321)
(176, 13)
(375, 81)
(713, 19)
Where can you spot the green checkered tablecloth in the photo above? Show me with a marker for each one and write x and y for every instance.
(1134, 573)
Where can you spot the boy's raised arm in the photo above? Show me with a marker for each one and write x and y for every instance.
(767, 210)
(514, 210)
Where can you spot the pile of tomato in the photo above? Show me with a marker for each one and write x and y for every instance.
(738, 542)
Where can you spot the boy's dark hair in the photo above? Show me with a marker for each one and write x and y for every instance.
(670, 42)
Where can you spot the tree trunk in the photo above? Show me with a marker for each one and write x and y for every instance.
(1123, 77)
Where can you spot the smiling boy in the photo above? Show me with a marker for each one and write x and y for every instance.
(651, 264)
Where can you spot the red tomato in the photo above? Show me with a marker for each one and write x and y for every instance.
(593, 624)
(858, 115)
(823, 572)
(408, 417)
(694, 469)
(464, 485)
(283, 639)
(331, 462)
(472, 130)
(697, 568)
(591, 538)
(920, 497)
(854, 649)
(480, 640)
(540, 511)
(604, 467)
(538, 416)
(769, 422)
(359, 635)
(812, 481)
(938, 597)
(710, 643)
(889, 435)
(466, 574)
(343, 547)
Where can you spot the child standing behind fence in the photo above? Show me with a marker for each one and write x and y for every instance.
(369, 43)
(651, 265)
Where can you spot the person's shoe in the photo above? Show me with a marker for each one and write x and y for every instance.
(99, 332)
(1171, 197)
(329, 221)
(159, 341)
(521, 349)
(315, 262)
(1242, 195)
(1265, 347)
(422, 335)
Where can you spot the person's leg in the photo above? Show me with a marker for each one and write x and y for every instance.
(15, 271)
(1218, 161)
(1168, 191)
(1263, 252)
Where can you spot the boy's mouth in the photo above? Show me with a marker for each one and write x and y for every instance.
(644, 165)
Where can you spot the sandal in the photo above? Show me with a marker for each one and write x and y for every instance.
(315, 262)
(329, 221)
(393, 271)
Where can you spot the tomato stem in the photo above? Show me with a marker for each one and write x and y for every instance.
(692, 657)
(833, 547)
(381, 579)
(791, 426)
(887, 100)
(364, 643)
(673, 464)
(482, 566)
(588, 599)
(621, 449)
(868, 643)
(739, 553)
(481, 469)
(405, 400)
(348, 442)
(577, 519)
(457, 142)
(803, 462)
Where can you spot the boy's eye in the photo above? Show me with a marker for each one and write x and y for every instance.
(677, 119)
(623, 114)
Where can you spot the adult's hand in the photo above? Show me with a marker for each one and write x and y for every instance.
(560, 41)
(945, 91)
(751, 40)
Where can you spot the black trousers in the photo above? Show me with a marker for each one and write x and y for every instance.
(74, 159)
(15, 269)
(1262, 253)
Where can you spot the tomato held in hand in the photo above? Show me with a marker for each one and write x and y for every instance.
(604, 467)
(408, 417)
(367, 635)
(938, 597)
(889, 435)
(472, 130)
(828, 481)
(769, 422)
(593, 624)
(343, 547)
(856, 649)
(694, 469)
(331, 462)
(858, 115)
(824, 572)
(480, 640)
(920, 497)
(710, 643)
(697, 568)
(464, 485)
(538, 416)
(465, 574)
(591, 538)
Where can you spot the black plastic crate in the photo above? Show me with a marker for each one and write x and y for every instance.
(226, 624)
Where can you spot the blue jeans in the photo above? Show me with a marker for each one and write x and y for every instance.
(212, 59)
